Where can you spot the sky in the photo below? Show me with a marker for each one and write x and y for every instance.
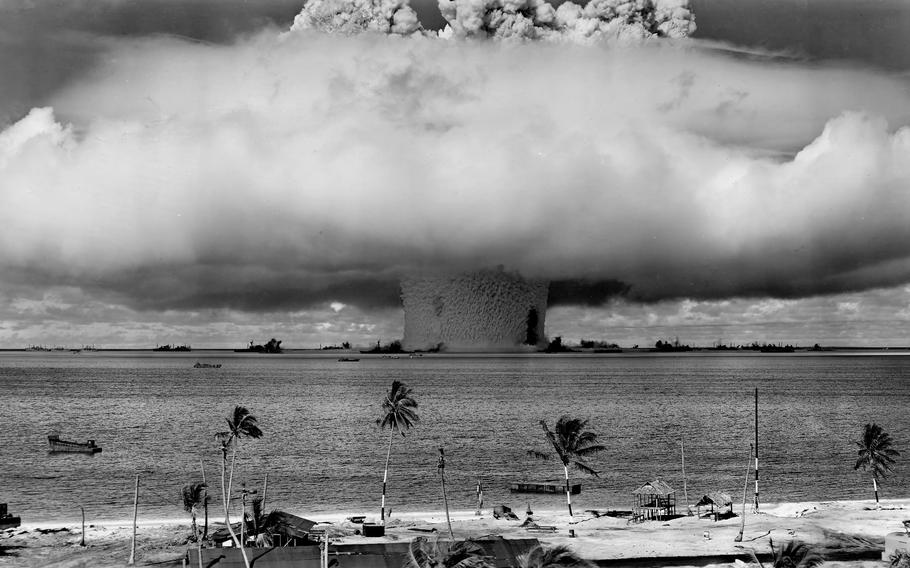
(197, 172)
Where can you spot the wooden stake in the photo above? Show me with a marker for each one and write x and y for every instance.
(205, 505)
(742, 528)
(442, 475)
(82, 543)
(682, 448)
(755, 504)
(135, 518)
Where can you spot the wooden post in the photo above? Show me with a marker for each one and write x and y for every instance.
(135, 517)
(682, 448)
(755, 504)
(205, 503)
(742, 528)
(442, 475)
(82, 542)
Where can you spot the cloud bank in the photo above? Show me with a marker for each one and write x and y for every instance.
(308, 168)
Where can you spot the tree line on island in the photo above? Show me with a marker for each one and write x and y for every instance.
(570, 442)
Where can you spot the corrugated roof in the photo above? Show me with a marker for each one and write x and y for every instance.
(656, 487)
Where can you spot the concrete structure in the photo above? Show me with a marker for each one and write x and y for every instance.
(487, 310)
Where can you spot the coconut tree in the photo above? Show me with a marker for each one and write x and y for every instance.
(794, 554)
(426, 553)
(573, 445)
(241, 424)
(559, 556)
(193, 496)
(875, 454)
(398, 414)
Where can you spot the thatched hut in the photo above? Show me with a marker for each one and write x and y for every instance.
(654, 500)
(719, 503)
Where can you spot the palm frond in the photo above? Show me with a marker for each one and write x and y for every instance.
(875, 452)
(559, 556)
(192, 496)
(796, 554)
(553, 438)
(581, 466)
(399, 409)
(589, 450)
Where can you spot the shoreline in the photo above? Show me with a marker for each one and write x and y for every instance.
(778, 509)
(851, 530)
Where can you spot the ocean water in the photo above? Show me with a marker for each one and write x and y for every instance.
(155, 416)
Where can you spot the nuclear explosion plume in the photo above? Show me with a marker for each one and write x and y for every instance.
(597, 21)
(289, 170)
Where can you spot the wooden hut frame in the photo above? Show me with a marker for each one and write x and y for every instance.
(718, 502)
(655, 500)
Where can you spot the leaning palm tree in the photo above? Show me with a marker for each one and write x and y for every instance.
(794, 554)
(559, 556)
(240, 424)
(876, 454)
(399, 413)
(572, 444)
(426, 553)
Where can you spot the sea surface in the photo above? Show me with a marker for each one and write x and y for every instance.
(156, 416)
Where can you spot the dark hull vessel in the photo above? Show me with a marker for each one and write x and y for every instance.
(8, 521)
(55, 444)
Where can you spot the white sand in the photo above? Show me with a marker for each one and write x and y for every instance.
(836, 525)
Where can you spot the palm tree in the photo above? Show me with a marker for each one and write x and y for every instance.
(875, 453)
(572, 443)
(398, 415)
(240, 424)
(192, 499)
(193, 496)
(426, 553)
(794, 554)
(559, 556)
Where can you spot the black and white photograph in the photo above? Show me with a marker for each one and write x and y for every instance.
(461, 283)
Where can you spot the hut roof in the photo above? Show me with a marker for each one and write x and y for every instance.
(716, 498)
(656, 487)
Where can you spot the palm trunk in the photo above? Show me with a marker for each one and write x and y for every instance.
(568, 492)
(225, 499)
(875, 489)
(205, 502)
(246, 561)
(385, 477)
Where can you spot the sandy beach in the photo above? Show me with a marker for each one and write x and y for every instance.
(850, 532)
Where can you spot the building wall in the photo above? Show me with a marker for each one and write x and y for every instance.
(483, 310)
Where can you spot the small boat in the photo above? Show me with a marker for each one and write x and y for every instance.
(58, 445)
(8, 521)
(574, 489)
(348, 359)
(199, 365)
